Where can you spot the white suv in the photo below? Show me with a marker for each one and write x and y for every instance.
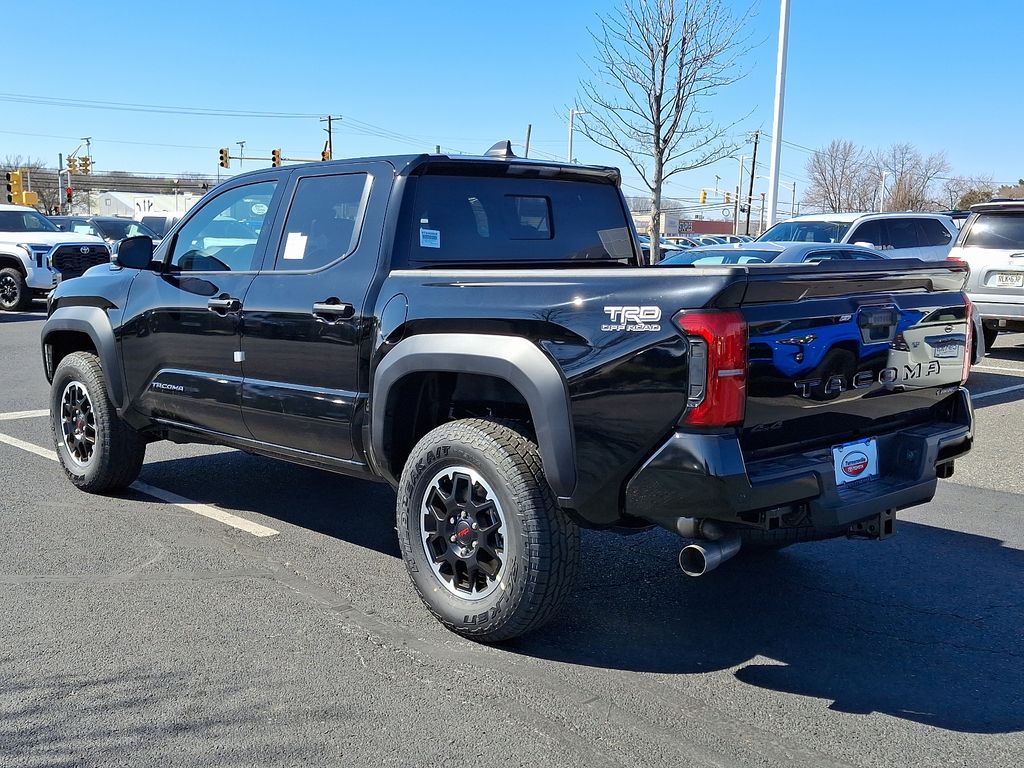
(927, 236)
(992, 244)
(35, 256)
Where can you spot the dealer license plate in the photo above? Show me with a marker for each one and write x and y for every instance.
(855, 461)
(1010, 280)
(947, 349)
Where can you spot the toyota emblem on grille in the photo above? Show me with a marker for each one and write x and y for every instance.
(84, 249)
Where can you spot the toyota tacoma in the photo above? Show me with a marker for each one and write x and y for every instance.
(483, 334)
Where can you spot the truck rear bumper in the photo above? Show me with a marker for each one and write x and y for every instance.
(705, 476)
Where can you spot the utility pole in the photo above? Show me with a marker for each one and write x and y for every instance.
(792, 205)
(739, 193)
(750, 191)
(760, 223)
(241, 152)
(88, 153)
(529, 129)
(780, 95)
(572, 114)
(60, 187)
(330, 133)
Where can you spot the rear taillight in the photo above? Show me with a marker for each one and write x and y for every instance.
(969, 349)
(716, 394)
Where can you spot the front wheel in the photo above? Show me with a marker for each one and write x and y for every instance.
(99, 451)
(15, 295)
(486, 547)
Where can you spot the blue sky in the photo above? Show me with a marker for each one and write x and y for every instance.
(464, 75)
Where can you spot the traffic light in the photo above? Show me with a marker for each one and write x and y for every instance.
(72, 165)
(225, 161)
(325, 155)
(275, 158)
(703, 196)
(728, 197)
(85, 164)
(14, 187)
(69, 194)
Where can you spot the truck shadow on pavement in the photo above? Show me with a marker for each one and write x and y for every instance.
(926, 626)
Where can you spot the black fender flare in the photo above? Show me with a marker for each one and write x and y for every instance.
(94, 323)
(516, 360)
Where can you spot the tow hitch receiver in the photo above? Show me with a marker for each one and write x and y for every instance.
(881, 527)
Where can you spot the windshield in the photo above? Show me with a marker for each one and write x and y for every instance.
(997, 230)
(25, 221)
(806, 232)
(119, 229)
(723, 256)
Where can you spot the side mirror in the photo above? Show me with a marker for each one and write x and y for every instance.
(133, 253)
(865, 244)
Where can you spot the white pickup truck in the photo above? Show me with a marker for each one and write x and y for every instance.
(35, 256)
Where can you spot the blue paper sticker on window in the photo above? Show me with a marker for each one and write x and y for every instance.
(430, 238)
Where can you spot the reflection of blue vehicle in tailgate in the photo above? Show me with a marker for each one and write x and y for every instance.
(814, 349)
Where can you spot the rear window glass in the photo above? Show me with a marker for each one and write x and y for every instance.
(806, 232)
(489, 221)
(997, 230)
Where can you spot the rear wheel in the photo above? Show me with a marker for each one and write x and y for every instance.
(15, 295)
(98, 451)
(487, 549)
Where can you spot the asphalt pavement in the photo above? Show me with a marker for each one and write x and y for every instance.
(244, 612)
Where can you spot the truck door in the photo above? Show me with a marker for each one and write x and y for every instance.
(181, 336)
(306, 317)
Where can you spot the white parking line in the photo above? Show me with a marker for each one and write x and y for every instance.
(11, 416)
(983, 368)
(995, 392)
(159, 493)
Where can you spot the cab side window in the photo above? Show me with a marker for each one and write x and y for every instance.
(903, 233)
(323, 221)
(222, 236)
(869, 232)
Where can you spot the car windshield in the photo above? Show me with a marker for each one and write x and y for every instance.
(25, 221)
(119, 229)
(723, 256)
(806, 232)
(997, 230)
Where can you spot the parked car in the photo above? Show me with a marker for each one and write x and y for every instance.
(927, 236)
(775, 253)
(35, 256)
(111, 228)
(992, 243)
(391, 322)
(708, 239)
(160, 223)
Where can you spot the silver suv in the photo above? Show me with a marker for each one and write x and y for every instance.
(992, 244)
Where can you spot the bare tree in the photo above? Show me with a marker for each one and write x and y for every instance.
(837, 176)
(961, 192)
(912, 175)
(656, 61)
(36, 179)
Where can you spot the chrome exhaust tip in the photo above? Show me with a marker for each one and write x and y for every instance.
(699, 558)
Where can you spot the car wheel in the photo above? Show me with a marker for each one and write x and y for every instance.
(15, 295)
(98, 451)
(486, 546)
(990, 337)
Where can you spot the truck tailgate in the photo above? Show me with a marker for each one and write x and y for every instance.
(837, 353)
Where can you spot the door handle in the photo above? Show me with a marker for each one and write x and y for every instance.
(332, 310)
(224, 304)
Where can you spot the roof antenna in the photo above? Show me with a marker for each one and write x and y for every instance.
(502, 150)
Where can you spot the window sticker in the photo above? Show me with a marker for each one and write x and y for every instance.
(295, 245)
(430, 238)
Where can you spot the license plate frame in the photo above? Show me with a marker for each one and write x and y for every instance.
(946, 350)
(855, 461)
(1009, 280)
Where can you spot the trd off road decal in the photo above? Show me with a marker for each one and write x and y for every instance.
(633, 318)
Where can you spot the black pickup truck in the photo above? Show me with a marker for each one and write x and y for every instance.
(482, 334)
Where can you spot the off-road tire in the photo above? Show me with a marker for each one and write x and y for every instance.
(11, 280)
(118, 450)
(541, 544)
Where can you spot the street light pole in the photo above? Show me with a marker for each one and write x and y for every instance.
(780, 93)
(739, 191)
(572, 115)
(881, 193)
